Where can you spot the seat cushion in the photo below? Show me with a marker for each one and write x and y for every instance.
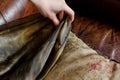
(80, 62)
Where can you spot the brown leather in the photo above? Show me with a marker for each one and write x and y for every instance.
(101, 33)
(100, 36)
(15, 9)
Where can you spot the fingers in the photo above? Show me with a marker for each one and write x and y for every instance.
(54, 18)
(60, 16)
(69, 11)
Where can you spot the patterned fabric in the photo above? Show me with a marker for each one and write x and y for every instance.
(80, 62)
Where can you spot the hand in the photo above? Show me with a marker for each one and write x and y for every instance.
(52, 8)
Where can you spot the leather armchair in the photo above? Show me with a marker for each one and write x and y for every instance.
(100, 26)
(14, 9)
(93, 29)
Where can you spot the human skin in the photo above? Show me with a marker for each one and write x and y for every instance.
(54, 9)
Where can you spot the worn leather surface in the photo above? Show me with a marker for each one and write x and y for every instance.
(14, 9)
(102, 36)
(101, 30)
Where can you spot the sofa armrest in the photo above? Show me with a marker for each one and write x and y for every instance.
(15, 9)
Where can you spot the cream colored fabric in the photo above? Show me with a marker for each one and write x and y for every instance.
(80, 62)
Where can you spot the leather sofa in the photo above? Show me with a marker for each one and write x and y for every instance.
(14, 9)
(92, 22)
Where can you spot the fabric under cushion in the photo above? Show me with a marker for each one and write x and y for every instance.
(80, 62)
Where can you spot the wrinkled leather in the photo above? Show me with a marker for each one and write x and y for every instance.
(15, 9)
(102, 33)
(102, 37)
